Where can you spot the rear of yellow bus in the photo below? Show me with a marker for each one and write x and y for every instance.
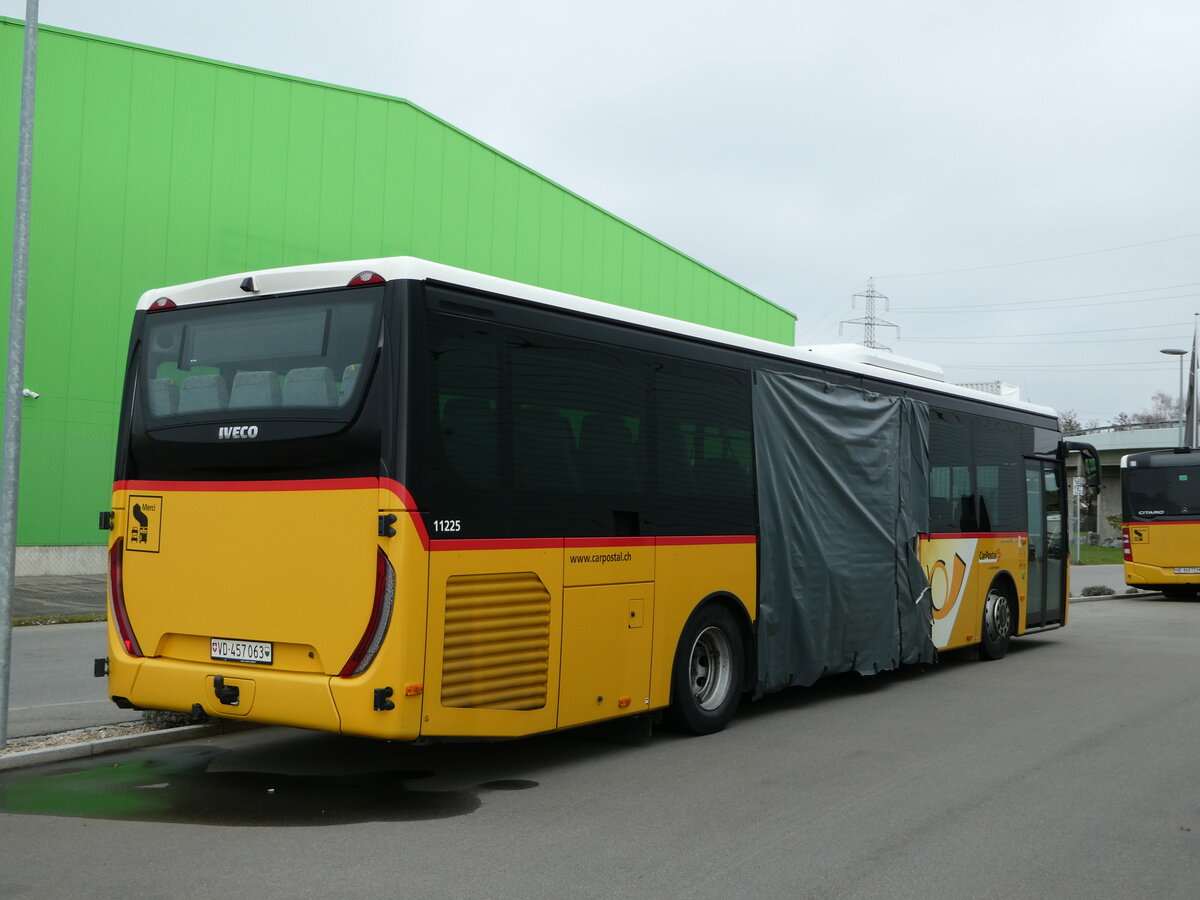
(257, 529)
(1160, 505)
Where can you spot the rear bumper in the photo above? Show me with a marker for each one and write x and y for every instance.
(1146, 576)
(259, 694)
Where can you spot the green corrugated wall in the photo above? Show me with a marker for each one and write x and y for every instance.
(153, 168)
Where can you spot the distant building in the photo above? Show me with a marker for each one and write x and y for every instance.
(153, 168)
(1113, 443)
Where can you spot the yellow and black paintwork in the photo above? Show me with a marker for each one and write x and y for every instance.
(960, 569)
(1157, 551)
(487, 638)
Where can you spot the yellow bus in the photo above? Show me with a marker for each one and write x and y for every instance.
(397, 499)
(1160, 505)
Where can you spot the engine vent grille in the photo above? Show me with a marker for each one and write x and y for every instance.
(496, 653)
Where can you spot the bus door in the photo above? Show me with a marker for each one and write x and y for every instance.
(1047, 543)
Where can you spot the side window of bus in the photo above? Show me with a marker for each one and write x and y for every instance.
(703, 461)
(579, 414)
(999, 474)
(466, 448)
(952, 507)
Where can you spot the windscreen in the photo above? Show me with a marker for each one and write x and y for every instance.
(302, 356)
(1161, 492)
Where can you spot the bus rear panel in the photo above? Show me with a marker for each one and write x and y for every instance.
(1160, 505)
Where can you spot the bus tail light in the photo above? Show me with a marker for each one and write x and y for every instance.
(116, 589)
(1125, 545)
(381, 617)
(162, 303)
(365, 278)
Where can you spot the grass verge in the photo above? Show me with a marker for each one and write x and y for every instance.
(58, 620)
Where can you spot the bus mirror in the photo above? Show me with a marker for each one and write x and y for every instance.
(1091, 460)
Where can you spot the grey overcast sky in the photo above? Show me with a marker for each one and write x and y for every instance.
(1018, 177)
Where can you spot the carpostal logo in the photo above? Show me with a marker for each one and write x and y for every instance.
(989, 556)
(236, 432)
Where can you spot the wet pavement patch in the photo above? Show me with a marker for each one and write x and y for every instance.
(509, 784)
(180, 785)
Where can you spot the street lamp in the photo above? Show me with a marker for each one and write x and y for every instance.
(1181, 354)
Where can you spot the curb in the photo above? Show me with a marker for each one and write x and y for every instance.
(1123, 595)
(87, 749)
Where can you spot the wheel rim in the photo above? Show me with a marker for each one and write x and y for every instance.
(711, 668)
(997, 618)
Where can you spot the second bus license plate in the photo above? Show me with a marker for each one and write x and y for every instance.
(242, 651)
(1187, 570)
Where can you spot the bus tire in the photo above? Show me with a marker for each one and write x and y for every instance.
(706, 678)
(999, 616)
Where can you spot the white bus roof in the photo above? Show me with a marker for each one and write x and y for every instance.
(852, 359)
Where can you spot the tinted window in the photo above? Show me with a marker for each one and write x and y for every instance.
(537, 435)
(977, 476)
(298, 356)
(1167, 492)
(999, 474)
(951, 496)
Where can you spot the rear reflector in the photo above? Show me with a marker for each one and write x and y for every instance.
(381, 617)
(365, 278)
(116, 590)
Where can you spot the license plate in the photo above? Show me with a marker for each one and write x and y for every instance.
(1188, 570)
(258, 652)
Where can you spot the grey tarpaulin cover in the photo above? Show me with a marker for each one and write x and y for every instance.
(842, 493)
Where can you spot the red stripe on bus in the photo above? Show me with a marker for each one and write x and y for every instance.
(702, 539)
(611, 542)
(391, 484)
(308, 484)
(497, 544)
(1156, 522)
(951, 535)
(574, 543)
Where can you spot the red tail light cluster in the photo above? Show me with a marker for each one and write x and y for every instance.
(381, 617)
(116, 590)
(365, 278)
(1125, 545)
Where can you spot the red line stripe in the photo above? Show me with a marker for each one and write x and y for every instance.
(577, 543)
(391, 484)
(950, 535)
(702, 539)
(498, 544)
(1153, 523)
(610, 542)
(310, 484)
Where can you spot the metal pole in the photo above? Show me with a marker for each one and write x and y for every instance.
(1182, 438)
(1079, 526)
(16, 362)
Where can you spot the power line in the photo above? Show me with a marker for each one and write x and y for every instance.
(1060, 302)
(1028, 262)
(1057, 334)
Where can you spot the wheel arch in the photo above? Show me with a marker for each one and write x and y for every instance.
(1005, 579)
(741, 617)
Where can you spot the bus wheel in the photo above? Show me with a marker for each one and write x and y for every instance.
(706, 679)
(997, 623)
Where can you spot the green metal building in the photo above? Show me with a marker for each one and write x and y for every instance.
(154, 168)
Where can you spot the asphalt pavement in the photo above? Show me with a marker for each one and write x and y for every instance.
(52, 686)
(58, 595)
